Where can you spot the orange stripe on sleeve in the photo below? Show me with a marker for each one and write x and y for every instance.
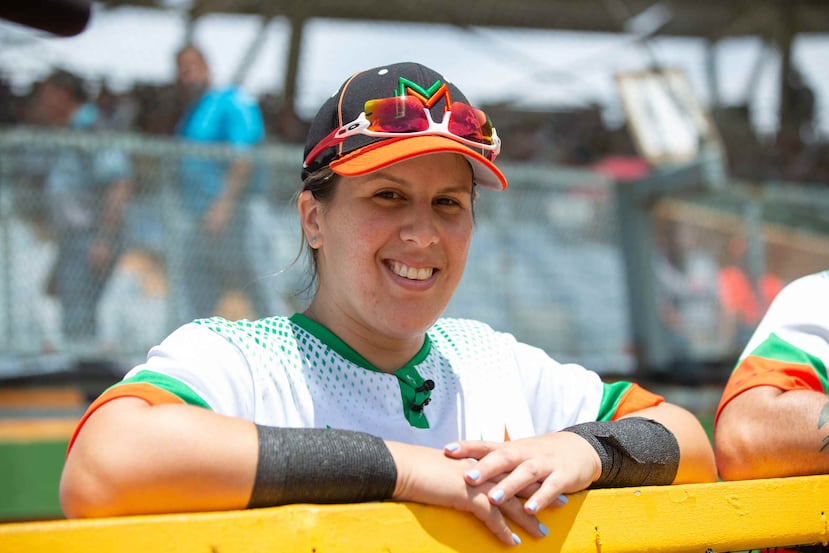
(756, 371)
(149, 393)
(635, 399)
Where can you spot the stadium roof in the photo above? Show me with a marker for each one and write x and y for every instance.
(774, 21)
(711, 19)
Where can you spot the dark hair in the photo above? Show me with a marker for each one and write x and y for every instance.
(191, 46)
(321, 184)
(69, 82)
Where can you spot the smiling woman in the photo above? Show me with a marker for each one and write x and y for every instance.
(369, 394)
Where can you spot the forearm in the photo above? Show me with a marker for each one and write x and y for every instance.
(133, 458)
(236, 180)
(223, 208)
(696, 456)
(766, 433)
(116, 199)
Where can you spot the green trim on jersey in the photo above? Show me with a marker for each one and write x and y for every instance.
(612, 395)
(408, 379)
(413, 395)
(169, 384)
(776, 348)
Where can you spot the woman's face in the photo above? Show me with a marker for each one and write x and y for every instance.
(392, 246)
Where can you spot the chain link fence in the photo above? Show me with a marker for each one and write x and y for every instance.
(49, 219)
(545, 262)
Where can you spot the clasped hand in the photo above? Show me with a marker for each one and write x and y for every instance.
(498, 481)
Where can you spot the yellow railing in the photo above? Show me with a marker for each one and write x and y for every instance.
(724, 516)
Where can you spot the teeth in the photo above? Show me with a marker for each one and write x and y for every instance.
(411, 272)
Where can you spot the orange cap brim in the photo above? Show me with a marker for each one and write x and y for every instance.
(387, 152)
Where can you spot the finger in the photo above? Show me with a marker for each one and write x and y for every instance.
(524, 492)
(495, 521)
(497, 463)
(474, 449)
(550, 493)
(526, 474)
(514, 510)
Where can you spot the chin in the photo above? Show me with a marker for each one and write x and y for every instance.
(409, 326)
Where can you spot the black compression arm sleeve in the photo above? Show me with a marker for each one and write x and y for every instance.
(313, 465)
(634, 451)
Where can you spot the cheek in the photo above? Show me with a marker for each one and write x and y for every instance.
(356, 240)
(460, 237)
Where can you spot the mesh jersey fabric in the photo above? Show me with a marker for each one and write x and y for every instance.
(292, 372)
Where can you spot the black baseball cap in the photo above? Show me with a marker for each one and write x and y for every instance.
(359, 154)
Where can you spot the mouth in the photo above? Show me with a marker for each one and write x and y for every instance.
(411, 273)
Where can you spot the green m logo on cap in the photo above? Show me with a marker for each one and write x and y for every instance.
(429, 96)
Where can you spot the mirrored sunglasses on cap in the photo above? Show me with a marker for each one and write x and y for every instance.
(406, 115)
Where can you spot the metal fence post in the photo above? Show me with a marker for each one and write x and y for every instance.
(6, 260)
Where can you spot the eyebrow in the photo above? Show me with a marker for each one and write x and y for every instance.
(381, 174)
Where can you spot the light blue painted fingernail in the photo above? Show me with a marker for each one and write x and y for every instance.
(497, 495)
(473, 474)
(454, 446)
(532, 505)
(516, 539)
(563, 499)
(543, 529)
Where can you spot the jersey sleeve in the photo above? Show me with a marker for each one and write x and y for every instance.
(790, 347)
(193, 366)
(563, 394)
(623, 398)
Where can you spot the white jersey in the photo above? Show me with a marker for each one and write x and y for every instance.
(293, 372)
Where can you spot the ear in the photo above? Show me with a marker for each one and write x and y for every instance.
(309, 211)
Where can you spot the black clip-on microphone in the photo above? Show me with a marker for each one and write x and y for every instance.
(427, 386)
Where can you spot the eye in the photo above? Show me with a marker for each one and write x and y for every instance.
(388, 195)
(447, 201)
(450, 201)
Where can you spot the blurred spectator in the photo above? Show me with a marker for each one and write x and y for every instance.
(159, 108)
(117, 111)
(795, 151)
(752, 158)
(743, 300)
(86, 192)
(7, 101)
(798, 110)
(688, 296)
(281, 120)
(216, 193)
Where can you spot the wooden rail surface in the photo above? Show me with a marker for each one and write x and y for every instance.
(723, 516)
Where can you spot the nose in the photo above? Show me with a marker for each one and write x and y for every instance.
(420, 226)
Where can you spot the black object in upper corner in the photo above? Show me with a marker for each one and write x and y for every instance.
(59, 17)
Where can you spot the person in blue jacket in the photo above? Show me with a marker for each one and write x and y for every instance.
(216, 190)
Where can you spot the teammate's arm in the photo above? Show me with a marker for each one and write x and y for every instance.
(766, 432)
